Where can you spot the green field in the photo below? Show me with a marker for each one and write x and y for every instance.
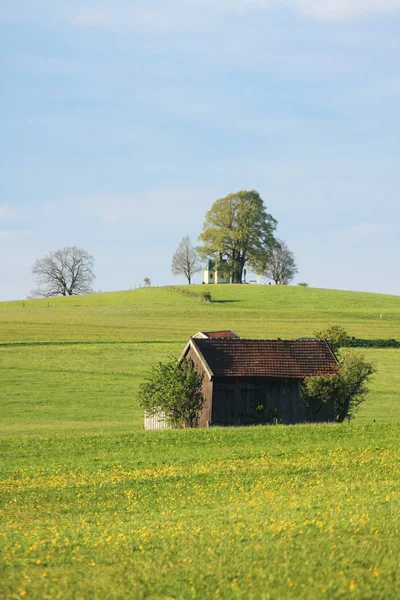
(93, 507)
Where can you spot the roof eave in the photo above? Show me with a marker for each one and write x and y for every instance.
(332, 352)
(192, 344)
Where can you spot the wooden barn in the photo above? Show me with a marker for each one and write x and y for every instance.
(258, 381)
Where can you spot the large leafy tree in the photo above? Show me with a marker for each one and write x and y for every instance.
(238, 229)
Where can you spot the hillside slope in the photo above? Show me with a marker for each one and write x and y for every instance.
(93, 508)
(77, 362)
(163, 314)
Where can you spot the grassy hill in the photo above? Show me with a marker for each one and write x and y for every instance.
(99, 347)
(161, 314)
(93, 507)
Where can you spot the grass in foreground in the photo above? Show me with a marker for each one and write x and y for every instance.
(263, 512)
(92, 509)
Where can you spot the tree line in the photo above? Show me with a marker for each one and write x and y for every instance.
(238, 232)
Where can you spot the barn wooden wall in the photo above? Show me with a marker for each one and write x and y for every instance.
(207, 388)
(245, 401)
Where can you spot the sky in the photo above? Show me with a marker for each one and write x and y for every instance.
(122, 121)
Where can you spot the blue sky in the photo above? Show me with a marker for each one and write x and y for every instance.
(122, 121)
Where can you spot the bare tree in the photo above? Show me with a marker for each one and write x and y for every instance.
(65, 272)
(280, 266)
(185, 260)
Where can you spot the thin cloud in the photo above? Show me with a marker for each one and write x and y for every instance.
(369, 229)
(143, 21)
(112, 210)
(330, 9)
(95, 18)
(8, 213)
(44, 65)
(173, 16)
(10, 234)
(346, 9)
(119, 208)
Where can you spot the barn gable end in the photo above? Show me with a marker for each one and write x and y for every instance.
(207, 386)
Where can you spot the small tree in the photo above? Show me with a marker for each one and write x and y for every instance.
(280, 264)
(352, 388)
(335, 335)
(185, 260)
(63, 273)
(147, 281)
(173, 389)
(348, 389)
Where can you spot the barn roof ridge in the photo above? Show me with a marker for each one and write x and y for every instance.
(261, 339)
(216, 333)
(253, 339)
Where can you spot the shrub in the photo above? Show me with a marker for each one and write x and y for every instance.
(173, 389)
(206, 296)
(317, 391)
(338, 338)
(353, 342)
(335, 335)
(348, 389)
(302, 284)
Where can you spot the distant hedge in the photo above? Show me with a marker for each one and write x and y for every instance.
(353, 342)
(338, 337)
(203, 296)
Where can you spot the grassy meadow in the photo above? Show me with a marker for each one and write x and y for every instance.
(94, 507)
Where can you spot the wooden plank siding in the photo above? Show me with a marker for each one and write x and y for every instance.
(157, 421)
(247, 401)
(207, 389)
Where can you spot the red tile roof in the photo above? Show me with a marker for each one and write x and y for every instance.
(267, 358)
(225, 333)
